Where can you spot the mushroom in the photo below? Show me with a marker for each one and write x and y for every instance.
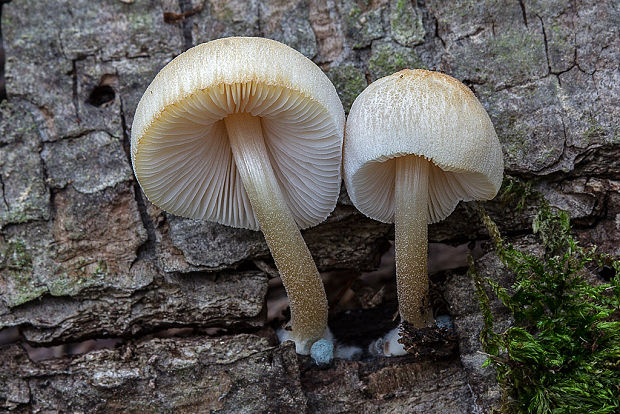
(247, 132)
(417, 142)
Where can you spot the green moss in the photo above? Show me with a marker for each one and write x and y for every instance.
(16, 267)
(101, 269)
(349, 82)
(72, 278)
(516, 140)
(515, 136)
(77, 274)
(562, 354)
(140, 21)
(518, 193)
(22, 214)
(225, 14)
(65, 284)
(517, 51)
(23, 290)
(386, 58)
(406, 23)
(615, 136)
(546, 156)
(362, 27)
(16, 124)
(354, 14)
(594, 132)
(16, 256)
(510, 57)
(8, 23)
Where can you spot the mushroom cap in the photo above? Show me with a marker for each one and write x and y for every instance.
(422, 113)
(179, 145)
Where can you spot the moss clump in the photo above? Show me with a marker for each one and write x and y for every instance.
(595, 131)
(516, 137)
(517, 52)
(387, 58)
(518, 193)
(74, 276)
(562, 354)
(101, 269)
(224, 14)
(28, 209)
(16, 256)
(349, 81)
(140, 22)
(362, 27)
(16, 269)
(406, 23)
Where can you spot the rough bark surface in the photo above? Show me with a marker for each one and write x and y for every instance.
(84, 256)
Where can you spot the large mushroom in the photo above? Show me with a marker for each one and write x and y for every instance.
(247, 132)
(417, 142)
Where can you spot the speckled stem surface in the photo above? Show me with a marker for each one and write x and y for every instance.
(297, 269)
(411, 234)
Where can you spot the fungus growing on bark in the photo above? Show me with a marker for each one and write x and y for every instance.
(416, 143)
(247, 132)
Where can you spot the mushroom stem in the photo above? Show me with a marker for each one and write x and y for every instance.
(298, 271)
(411, 234)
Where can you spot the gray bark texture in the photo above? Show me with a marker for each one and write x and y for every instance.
(108, 304)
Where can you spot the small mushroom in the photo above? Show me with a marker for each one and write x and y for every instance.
(247, 132)
(417, 142)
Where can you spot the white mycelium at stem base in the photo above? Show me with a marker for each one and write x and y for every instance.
(299, 274)
(411, 232)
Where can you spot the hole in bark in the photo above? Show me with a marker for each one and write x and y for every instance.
(103, 92)
(101, 95)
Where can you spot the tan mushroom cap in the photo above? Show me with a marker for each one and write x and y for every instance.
(428, 114)
(179, 144)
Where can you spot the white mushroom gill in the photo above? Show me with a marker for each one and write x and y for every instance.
(191, 137)
(374, 185)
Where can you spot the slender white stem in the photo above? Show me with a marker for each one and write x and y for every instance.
(411, 234)
(299, 274)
